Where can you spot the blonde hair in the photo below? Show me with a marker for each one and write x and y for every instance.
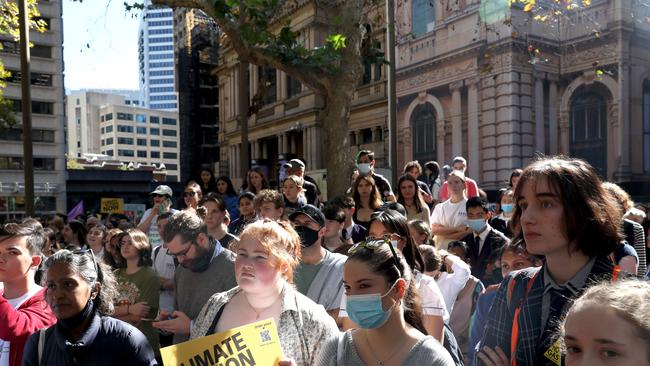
(629, 299)
(279, 239)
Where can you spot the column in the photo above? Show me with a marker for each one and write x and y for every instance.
(253, 82)
(255, 153)
(282, 85)
(358, 137)
(281, 151)
(473, 136)
(292, 145)
(306, 145)
(456, 119)
(552, 117)
(539, 112)
(623, 136)
(237, 161)
(265, 152)
(488, 133)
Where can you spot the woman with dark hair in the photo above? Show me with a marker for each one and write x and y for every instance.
(81, 293)
(192, 194)
(96, 237)
(367, 200)
(255, 181)
(112, 255)
(410, 196)
(432, 172)
(382, 299)
(74, 235)
(226, 190)
(50, 245)
(564, 214)
(247, 213)
(138, 286)
(213, 211)
(514, 178)
(392, 227)
(206, 181)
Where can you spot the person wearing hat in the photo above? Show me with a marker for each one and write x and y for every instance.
(448, 220)
(319, 276)
(312, 193)
(162, 202)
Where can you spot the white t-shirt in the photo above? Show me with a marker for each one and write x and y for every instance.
(451, 284)
(154, 237)
(164, 266)
(5, 346)
(449, 215)
(433, 302)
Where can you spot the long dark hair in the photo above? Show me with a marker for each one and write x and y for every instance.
(381, 262)
(375, 197)
(230, 189)
(417, 198)
(592, 216)
(396, 223)
(265, 182)
(79, 229)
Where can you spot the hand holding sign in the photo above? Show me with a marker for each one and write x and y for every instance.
(179, 323)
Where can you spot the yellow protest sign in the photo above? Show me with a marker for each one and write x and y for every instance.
(112, 205)
(253, 344)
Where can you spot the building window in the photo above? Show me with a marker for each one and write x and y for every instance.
(109, 141)
(141, 118)
(160, 48)
(110, 152)
(37, 79)
(154, 119)
(154, 131)
(170, 155)
(154, 143)
(16, 134)
(161, 23)
(268, 77)
(171, 166)
(162, 89)
(423, 17)
(121, 152)
(646, 125)
(169, 133)
(141, 130)
(161, 40)
(169, 144)
(161, 56)
(109, 128)
(155, 154)
(125, 140)
(169, 121)
(142, 142)
(161, 81)
(157, 65)
(37, 107)
(16, 163)
(123, 128)
(294, 87)
(161, 73)
(423, 123)
(588, 120)
(125, 116)
(109, 117)
(163, 106)
(142, 154)
(158, 98)
(152, 32)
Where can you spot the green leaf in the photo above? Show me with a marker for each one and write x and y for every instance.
(337, 41)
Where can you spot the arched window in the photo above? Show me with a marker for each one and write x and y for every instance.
(646, 125)
(589, 130)
(423, 17)
(423, 122)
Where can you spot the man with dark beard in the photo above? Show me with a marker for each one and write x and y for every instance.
(205, 269)
(319, 276)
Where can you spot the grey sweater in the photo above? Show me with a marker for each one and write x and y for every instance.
(427, 351)
(193, 289)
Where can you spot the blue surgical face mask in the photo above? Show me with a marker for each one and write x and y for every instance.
(364, 168)
(507, 207)
(476, 225)
(367, 311)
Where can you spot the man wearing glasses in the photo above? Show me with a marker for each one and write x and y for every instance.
(23, 309)
(162, 202)
(205, 269)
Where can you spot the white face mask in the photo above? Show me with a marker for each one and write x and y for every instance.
(364, 168)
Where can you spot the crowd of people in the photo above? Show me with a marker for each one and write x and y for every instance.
(552, 272)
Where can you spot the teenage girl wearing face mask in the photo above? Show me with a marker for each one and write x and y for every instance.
(502, 221)
(80, 292)
(383, 301)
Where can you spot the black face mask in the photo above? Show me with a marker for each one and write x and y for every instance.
(76, 320)
(307, 236)
(203, 259)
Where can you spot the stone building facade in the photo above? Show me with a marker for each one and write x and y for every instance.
(285, 126)
(499, 88)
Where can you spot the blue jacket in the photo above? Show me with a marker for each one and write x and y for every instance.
(107, 341)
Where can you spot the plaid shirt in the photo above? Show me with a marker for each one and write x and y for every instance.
(498, 330)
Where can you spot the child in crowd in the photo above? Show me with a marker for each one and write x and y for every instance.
(609, 325)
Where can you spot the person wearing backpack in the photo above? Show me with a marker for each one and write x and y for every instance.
(562, 213)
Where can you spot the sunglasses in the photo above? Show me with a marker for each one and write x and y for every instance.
(157, 195)
(92, 256)
(373, 244)
(189, 194)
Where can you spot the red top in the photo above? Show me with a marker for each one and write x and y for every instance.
(16, 325)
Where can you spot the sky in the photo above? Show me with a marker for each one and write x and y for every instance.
(100, 45)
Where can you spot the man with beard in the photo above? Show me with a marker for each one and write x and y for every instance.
(205, 269)
(319, 276)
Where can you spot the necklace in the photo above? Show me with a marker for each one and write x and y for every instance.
(392, 353)
(259, 313)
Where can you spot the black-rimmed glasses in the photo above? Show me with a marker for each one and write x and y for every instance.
(374, 243)
(183, 252)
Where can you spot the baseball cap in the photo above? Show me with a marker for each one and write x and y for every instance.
(310, 211)
(295, 164)
(458, 174)
(163, 190)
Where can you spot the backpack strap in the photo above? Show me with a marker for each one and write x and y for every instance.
(339, 349)
(42, 335)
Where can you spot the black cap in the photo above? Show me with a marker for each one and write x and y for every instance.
(310, 211)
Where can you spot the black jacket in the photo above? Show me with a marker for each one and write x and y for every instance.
(107, 341)
(478, 261)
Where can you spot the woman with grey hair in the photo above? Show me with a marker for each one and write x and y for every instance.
(81, 291)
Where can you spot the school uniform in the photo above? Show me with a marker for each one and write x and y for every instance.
(482, 249)
(533, 341)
